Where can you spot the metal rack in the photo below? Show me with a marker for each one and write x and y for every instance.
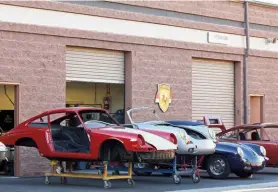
(59, 170)
(172, 171)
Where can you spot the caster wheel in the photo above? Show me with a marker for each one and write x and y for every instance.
(64, 180)
(195, 178)
(46, 181)
(6, 170)
(59, 170)
(116, 173)
(177, 179)
(107, 184)
(100, 172)
(131, 183)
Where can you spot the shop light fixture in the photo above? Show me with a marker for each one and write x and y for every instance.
(270, 40)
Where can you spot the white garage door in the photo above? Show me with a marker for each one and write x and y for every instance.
(213, 90)
(94, 65)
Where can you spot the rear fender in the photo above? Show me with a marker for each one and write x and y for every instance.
(165, 135)
(8, 139)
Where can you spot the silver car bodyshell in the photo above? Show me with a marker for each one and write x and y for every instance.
(185, 142)
(208, 143)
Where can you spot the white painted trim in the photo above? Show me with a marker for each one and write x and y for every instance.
(247, 190)
(261, 186)
(24, 15)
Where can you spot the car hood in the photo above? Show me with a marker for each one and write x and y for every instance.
(158, 142)
(248, 151)
(159, 125)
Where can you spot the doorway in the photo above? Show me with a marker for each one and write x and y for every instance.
(98, 95)
(256, 108)
(9, 118)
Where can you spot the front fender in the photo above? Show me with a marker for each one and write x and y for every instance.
(223, 147)
(255, 147)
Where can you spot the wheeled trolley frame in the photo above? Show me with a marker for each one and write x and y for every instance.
(174, 172)
(59, 171)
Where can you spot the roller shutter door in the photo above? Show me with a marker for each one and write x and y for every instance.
(94, 65)
(213, 90)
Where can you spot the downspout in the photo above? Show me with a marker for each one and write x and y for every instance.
(245, 63)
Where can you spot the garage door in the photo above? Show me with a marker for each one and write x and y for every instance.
(94, 65)
(213, 90)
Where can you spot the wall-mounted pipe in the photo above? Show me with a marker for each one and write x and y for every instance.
(6, 94)
(245, 63)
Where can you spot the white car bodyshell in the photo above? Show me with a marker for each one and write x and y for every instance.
(200, 146)
(183, 146)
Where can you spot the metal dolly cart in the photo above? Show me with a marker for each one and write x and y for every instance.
(59, 170)
(172, 169)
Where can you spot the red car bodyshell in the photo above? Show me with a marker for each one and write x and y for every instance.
(42, 137)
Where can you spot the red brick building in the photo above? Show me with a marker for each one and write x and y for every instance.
(58, 53)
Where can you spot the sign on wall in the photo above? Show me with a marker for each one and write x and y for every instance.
(163, 96)
(218, 38)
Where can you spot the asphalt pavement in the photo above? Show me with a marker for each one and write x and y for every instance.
(265, 181)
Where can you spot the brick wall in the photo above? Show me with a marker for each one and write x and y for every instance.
(262, 77)
(40, 69)
(152, 66)
(225, 9)
(37, 62)
(263, 15)
(258, 14)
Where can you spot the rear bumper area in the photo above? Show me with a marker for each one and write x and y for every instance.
(160, 155)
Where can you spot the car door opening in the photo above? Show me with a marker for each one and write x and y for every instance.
(69, 135)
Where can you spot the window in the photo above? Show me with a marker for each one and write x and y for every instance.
(252, 133)
(41, 122)
(96, 119)
(269, 134)
(231, 135)
(65, 120)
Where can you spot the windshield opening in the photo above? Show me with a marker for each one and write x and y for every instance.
(97, 119)
(144, 114)
(254, 134)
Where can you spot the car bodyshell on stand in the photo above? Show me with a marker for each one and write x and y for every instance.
(88, 134)
(243, 159)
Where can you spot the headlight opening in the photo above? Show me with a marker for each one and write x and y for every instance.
(263, 151)
(240, 152)
(182, 134)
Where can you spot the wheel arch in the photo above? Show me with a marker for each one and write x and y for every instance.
(206, 159)
(109, 142)
(26, 142)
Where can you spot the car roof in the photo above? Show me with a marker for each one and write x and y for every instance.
(256, 125)
(251, 126)
(72, 109)
(186, 123)
(62, 110)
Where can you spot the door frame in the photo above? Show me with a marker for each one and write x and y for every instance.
(262, 99)
(16, 122)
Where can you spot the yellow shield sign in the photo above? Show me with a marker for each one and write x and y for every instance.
(163, 96)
